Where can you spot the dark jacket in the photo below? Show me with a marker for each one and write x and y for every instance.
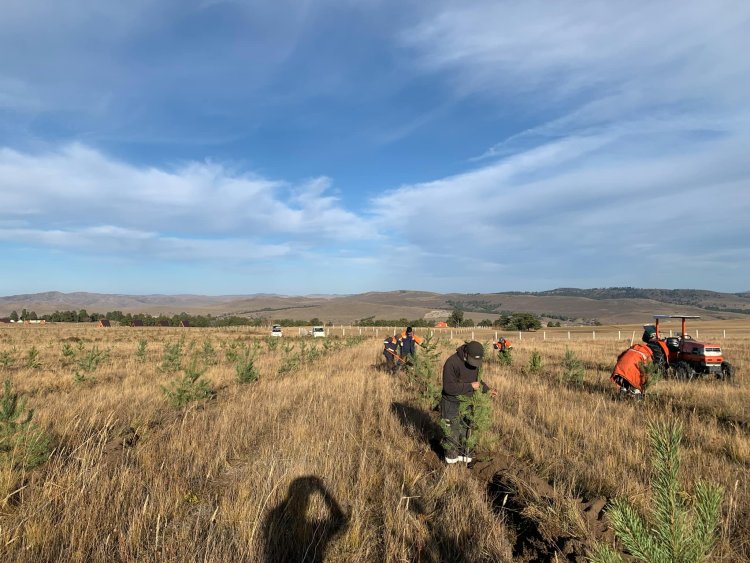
(457, 379)
(390, 344)
(408, 346)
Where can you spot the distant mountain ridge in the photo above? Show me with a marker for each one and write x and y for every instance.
(606, 305)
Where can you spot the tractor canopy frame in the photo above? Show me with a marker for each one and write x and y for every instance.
(657, 318)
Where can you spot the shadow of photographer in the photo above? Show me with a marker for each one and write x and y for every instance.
(290, 535)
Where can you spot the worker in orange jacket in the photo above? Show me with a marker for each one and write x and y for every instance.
(392, 359)
(502, 344)
(627, 374)
(408, 343)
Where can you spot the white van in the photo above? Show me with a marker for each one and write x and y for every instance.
(276, 330)
(318, 332)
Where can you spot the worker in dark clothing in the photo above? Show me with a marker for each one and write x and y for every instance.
(658, 347)
(390, 347)
(460, 379)
(407, 344)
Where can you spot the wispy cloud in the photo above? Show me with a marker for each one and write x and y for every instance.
(78, 197)
(511, 145)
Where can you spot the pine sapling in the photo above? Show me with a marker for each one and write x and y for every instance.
(192, 386)
(90, 361)
(423, 373)
(140, 351)
(172, 358)
(573, 372)
(535, 363)
(32, 358)
(677, 526)
(22, 443)
(7, 358)
(505, 357)
(476, 410)
(245, 368)
(650, 374)
(208, 353)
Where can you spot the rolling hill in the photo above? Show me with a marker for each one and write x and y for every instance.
(570, 305)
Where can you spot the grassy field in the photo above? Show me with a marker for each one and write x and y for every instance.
(327, 457)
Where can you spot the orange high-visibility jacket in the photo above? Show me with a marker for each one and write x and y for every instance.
(503, 344)
(628, 363)
(414, 337)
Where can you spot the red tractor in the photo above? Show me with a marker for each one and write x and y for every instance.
(689, 358)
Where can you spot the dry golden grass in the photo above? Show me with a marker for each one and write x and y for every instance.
(320, 456)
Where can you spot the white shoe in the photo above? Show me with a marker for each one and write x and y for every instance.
(452, 460)
(465, 458)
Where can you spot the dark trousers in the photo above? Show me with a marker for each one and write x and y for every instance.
(390, 362)
(456, 429)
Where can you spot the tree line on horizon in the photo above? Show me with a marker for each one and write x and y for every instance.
(507, 321)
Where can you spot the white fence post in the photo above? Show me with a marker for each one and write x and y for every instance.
(632, 338)
(451, 335)
(519, 335)
(696, 333)
(495, 336)
(544, 334)
(472, 335)
(725, 334)
(568, 335)
(593, 335)
(618, 335)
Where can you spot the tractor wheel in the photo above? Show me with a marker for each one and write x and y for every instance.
(683, 371)
(727, 371)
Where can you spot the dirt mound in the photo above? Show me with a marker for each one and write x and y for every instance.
(547, 526)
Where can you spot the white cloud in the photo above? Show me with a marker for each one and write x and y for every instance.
(561, 48)
(581, 208)
(79, 197)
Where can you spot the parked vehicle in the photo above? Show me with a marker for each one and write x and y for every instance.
(318, 332)
(691, 358)
(276, 330)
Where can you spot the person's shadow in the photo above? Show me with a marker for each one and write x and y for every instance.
(290, 535)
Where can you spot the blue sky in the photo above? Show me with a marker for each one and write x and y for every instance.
(341, 146)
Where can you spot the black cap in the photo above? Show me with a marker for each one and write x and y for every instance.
(409, 329)
(649, 333)
(474, 353)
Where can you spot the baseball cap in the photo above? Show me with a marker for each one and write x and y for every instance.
(649, 332)
(474, 353)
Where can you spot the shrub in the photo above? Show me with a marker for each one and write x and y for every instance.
(78, 377)
(651, 373)
(535, 362)
(68, 353)
(188, 388)
(573, 372)
(208, 353)
(140, 351)
(677, 526)
(7, 358)
(22, 443)
(32, 358)
(505, 357)
(231, 353)
(92, 359)
(245, 368)
(172, 359)
(476, 410)
(423, 373)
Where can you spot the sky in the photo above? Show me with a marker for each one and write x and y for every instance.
(340, 146)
